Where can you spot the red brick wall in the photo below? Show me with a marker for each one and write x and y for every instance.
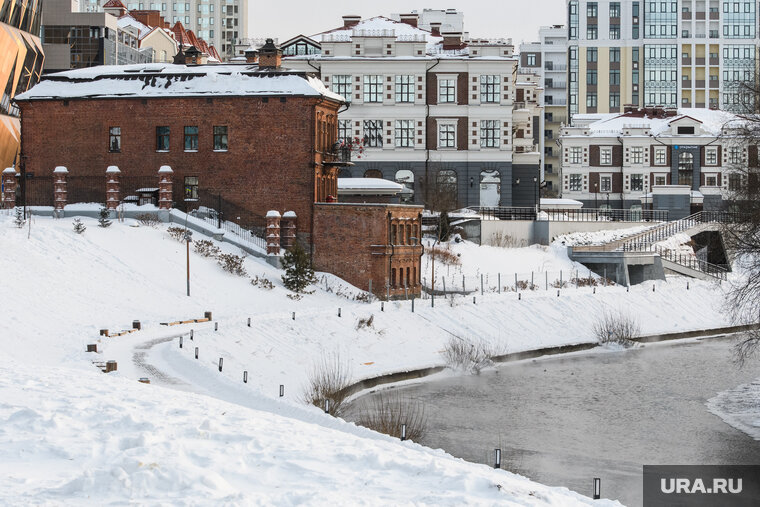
(269, 163)
(353, 241)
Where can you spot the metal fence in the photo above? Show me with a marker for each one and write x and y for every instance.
(230, 217)
(36, 191)
(571, 215)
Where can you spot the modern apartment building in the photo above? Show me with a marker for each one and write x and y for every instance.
(21, 59)
(684, 53)
(221, 23)
(547, 59)
(432, 109)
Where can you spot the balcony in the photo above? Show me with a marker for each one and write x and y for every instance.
(339, 155)
(714, 60)
(714, 84)
(686, 83)
(699, 83)
(686, 15)
(557, 86)
(699, 60)
(700, 104)
(685, 60)
(714, 15)
(699, 15)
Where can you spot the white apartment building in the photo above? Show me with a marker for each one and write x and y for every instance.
(547, 59)
(219, 22)
(430, 108)
(672, 53)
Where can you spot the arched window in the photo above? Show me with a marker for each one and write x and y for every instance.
(685, 168)
(490, 188)
(406, 177)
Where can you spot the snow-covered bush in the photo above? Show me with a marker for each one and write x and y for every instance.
(206, 248)
(18, 218)
(103, 220)
(585, 281)
(177, 233)
(616, 327)
(262, 282)
(444, 255)
(79, 227)
(328, 379)
(470, 356)
(365, 322)
(386, 412)
(148, 220)
(525, 285)
(232, 263)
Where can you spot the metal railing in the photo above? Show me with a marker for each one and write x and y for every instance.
(571, 215)
(339, 154)
(231, 218)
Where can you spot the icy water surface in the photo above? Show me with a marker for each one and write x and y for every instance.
(564, 420)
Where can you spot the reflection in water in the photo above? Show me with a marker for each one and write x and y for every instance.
(564, 420)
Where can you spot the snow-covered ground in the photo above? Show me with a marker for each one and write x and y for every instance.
(600, 237)
(739, 407)
(70, 433)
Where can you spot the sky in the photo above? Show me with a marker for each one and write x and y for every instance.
(518, 19)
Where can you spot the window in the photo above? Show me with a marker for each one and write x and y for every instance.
(220, 138)
(404, 134)
(447, 90)
(373, 133)
(660, 156)
(614, 32)
(685, 130)
(711, 180)
(734, 182)
(711, 156)
(531, 60)
(685, 168)
(191, 188)
(734, 155)
(576, 183)
(637, 155)
(614, 9)
(591, 55)
(162, 138)
(344, 131)
(592, 9)
(614, 100)
(592, 32)
(191, 138)
(605, 155)
(614, 54)
(637, 182)
(114, 139)
(591, 100)
(489, 88)
(404, 88)
(373, 88)
(342, 86)
(591, 77)
(660, 180)
(489, 133)
(614, 77)
(576, 154)
(605, 183)
(447, 135)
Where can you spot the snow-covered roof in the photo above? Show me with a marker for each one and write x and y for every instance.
(368, 185)
(164, 80)
(610, 124)
(128, 21)
(380, 26)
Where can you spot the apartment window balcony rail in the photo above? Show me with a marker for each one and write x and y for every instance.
(686, 15)
(700, 36)
(557, 86)
(699, 15)
(339, 155)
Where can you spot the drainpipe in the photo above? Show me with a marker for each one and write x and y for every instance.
(427, 117)
(393, 250)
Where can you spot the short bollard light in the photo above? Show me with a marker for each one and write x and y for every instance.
(220, 363)
(497, 458)
(216, 326)
(338, 311)
(403, 432)
(245, 377)
(196, 352)
(327, 406)
(597, 488)
(180, 342)
(294, 315)
(282, 390)
(249, 322)
(191, 334)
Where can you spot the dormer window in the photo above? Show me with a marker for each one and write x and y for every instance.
(686, 130)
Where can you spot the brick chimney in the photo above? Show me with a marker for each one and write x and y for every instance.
(452, 40)
(270, 56)
(251, 56)
(435, 29)
(410, 19)
(351, 20)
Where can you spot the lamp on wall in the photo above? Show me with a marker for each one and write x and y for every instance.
(472, 180)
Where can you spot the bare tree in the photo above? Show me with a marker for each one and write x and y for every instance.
(741, 137)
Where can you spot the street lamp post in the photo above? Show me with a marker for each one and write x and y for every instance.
(188, 240)
(596, 205)
(535, 196)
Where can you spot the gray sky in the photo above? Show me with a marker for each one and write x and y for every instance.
(518, 19)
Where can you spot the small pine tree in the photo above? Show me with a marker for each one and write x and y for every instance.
(103, 221)
(19, 219)
(79, 227)
(444, 226)
(298, 271)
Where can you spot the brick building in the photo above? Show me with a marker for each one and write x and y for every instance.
(260, 137)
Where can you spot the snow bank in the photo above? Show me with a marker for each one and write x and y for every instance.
(599, 237)
(739, 407)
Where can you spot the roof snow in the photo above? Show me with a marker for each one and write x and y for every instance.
(712, 121)
(350, 185)
(163, 80)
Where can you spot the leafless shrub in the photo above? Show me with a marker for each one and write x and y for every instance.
(368, 322)
(328, 379)
(557, 284)
(206, 248)
(232, 263)
(444, 255)
(386, 412)
(585, 281)
(469, 356)
(262, 282)
(294, 296)
(616, 327)
(148, 219)
(525, 285)
(504, 240)
(177, 233)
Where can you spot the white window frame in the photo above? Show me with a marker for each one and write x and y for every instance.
(711, 175)
(404, 89)
(711, 155)
(341, 84)
(372, 88)
(660, 156)
(448, 127)
(489, 88)
(451, 91)
(490, 133)
(657, 178)
(404, 134)
(643, 183)
(575, 154)
(637, 154)
(572, 180)
(605, 177)
(605, 155)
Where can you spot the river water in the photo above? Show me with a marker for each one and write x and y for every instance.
(564, 420)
